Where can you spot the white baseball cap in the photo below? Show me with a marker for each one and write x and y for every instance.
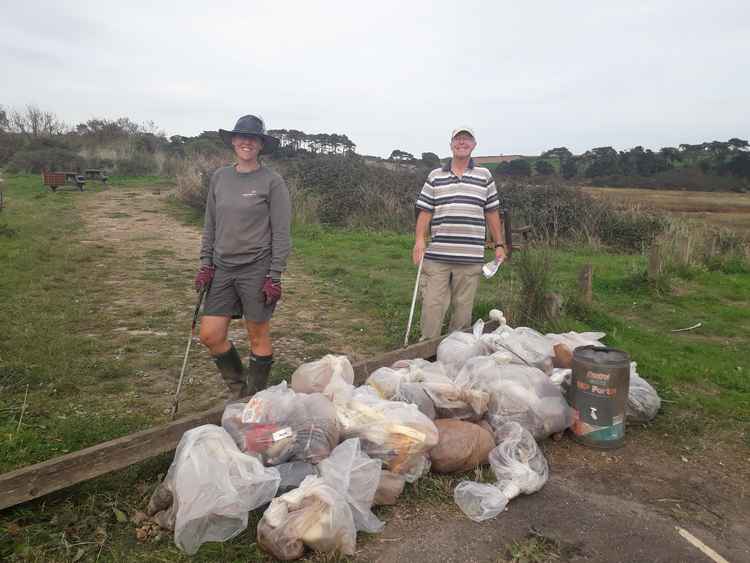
(468, 130)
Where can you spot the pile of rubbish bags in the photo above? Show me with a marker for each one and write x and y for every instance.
(323, 452)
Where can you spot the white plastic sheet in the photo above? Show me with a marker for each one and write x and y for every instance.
(519, 467)
(214, 486)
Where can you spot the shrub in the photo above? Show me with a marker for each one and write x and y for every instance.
(138, 164)
(345, 191)
(544, 167)
(686, 247)
(50, 159)
(193, 179)
(534, 269)
(556, 212)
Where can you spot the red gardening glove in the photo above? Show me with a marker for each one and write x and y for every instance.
(271, 290)
(204, 277)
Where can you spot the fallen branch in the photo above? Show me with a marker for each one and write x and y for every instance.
(696, 325)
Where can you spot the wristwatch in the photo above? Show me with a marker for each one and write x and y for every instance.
(497, 244)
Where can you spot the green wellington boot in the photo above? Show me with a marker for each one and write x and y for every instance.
(258, 370)
(232, 371)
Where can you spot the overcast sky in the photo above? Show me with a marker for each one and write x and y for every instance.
(527, 76)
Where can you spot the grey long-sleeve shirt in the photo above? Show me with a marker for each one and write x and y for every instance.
(247, 218)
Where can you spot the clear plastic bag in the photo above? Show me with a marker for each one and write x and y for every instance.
(331, 375)
(394, 432)
(525, 345)
(213, 486)
(280, 425)
(316, 514)
(519, 467)
(356, 475)
(643, 400)
(459, 346)
(389, 488)
(429, 379)
(293, 473)
(517, 393)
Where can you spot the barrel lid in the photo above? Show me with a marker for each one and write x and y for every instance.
(601, 355)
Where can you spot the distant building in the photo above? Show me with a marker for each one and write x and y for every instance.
(497, 159)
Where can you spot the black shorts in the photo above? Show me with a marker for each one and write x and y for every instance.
(239, 293)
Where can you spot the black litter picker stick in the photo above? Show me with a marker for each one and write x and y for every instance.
(176, 400)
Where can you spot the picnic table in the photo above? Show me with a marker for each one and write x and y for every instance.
(96, 174)
(56, 179)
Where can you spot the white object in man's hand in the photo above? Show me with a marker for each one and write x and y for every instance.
(491, 268)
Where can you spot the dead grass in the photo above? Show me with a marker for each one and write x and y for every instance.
(721, 209)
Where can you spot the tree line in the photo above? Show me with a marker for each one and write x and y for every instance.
(722, 158)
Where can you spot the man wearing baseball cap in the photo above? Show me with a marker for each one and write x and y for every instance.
(458, 202)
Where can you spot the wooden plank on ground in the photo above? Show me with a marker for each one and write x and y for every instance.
(34, 481)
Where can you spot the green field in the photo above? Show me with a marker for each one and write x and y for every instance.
(80, 389)
(703, 373)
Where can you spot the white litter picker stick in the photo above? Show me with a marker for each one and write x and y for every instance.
(413, 302)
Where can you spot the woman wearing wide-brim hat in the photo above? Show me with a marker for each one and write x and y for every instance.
(244, 251)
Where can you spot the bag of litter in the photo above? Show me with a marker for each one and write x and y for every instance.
(394, 432)
(524, 345)
(293, 473)
(462, 446)
(357, 476)
(517, 393)
(643, 400)
(213, 486)
(331, 375)
(459, 346)
(448, 399)
(316, 514)
(389, 488)
(519, 467)
(280, 425)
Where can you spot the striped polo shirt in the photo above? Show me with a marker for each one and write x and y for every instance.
(458, 205)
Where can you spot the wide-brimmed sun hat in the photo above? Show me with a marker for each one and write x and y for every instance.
(251, 125)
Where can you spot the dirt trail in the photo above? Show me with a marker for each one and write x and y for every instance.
(598, 506)
(621, 505)
(146, 303)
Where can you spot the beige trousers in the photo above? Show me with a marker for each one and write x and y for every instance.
(444, 284)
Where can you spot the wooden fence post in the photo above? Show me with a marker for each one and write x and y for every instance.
(585, 279)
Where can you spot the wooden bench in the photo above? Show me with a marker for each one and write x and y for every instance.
(56, 179)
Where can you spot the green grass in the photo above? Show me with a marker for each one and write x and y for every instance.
(46, 306)
(44, 294)
(703, 373)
